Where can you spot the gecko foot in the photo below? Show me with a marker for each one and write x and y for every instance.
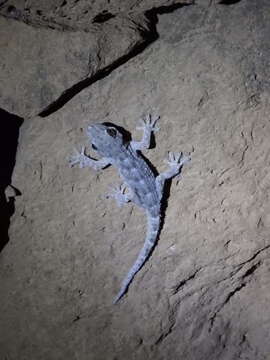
(79, 157)
(148, 122)
(118, 193)
(176, 160)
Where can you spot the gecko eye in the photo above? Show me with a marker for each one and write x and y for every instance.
(111, 131)
(94, 147)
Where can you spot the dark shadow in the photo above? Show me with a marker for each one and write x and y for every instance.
(9, 133)
(102, 17)
(170, 8)
(229, 2)
(148, 36)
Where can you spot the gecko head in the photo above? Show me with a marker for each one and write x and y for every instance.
(105, 139)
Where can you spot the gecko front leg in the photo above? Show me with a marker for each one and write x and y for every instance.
(175, 161)
(148, 125)
(85, 161)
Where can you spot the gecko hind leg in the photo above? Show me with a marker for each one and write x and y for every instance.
(175, 161)
(120, 195)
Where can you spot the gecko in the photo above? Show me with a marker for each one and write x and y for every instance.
(140, 185)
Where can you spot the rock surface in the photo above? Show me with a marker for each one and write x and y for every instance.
(204, 293)
(72, 45)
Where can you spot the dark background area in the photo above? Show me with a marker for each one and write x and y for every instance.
(9, 134)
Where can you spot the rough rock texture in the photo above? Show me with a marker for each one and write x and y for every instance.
(66, 46)
(204, 294)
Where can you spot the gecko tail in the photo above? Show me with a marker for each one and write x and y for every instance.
(153, 228)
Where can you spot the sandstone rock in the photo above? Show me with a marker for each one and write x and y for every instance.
(56, 48)
(204, 293)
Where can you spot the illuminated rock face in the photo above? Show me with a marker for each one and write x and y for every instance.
(204, 294)
(50, 50)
